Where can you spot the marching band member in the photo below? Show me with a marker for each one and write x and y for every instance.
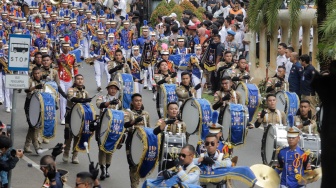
(144, 37)
(135, 68)
(35, 84)
(42, 38)
(111, 100)
(240, 73)
(109, 50)
(271, 115)
(7, 93)
(67, 67)
(163, 76)
(278, 82)
(225, 95)
(118, 65)
(187, 171)
(165, 56)
(74, 33)
(97, 53)
(37, 62)
(196, 70)
(139, 114)
(223, 67)
(50, 74)
(293, 161)
(304, 119)
(126, 37)
(3, 71)
(76, 94)
(185, 90)
(180, 49)
(173, 121)
(213, 157)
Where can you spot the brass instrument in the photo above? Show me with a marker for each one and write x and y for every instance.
(90, 60)
(5, 66)
(56, 2)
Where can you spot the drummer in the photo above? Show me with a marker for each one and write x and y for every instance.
(213, 157)
(225, 96)
(163, 76)
(35, 85)
(240, 73)
(224, 147)
(271, 115)
(139, 114)
(278, 82)
(293, 161)
(112, 101)
(76, 94)
(119, 64)
(186, 90)
(304, 120)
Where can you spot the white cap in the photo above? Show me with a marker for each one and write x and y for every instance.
(173, 15)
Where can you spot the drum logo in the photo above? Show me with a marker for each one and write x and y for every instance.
(206, 117)
(151, 153)
(237, 118)
(253, 101)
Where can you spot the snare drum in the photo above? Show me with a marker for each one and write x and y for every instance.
(126, 86)
(274, 137)
(287, 102)
(143, 150)
(111, 130)
(42, 113)
(171, 147)
(313, 143)
(196, 113)
(167, 94)
(250, 96)
(234, 123)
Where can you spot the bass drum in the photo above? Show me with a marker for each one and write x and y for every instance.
(274, 138)
(126, 86)
(234, 123)
(143, 149)
(313, 143)
(287, 102)
(111, 130)
(196, 113)
(77, 117)
(167, 94)
(250, 96)
(42, 109)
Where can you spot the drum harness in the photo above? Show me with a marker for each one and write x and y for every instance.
(279, 116)
(234, 95)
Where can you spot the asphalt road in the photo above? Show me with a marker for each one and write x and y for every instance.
(24, 176)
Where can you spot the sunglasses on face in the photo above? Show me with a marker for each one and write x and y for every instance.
(183, 155)
(209, 143)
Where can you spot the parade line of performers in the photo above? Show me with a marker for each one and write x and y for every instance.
(177, 73)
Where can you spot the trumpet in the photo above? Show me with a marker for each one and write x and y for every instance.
(56, 2)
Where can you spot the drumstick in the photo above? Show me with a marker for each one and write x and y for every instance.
(40, 151)
(87, 150)
(144, 119)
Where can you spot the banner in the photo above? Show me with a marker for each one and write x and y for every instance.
(86, 134)
(237, 128)
(253, 100)
(48, 120)
(128, 90)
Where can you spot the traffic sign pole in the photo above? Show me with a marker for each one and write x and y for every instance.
(18, 60)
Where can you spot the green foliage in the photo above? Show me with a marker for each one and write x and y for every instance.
(165, 9)
(327, 44)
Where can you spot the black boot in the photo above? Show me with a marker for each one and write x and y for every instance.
(102, 175)
(107, 173)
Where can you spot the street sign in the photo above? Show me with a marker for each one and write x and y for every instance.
(17, 81)
(19, 51)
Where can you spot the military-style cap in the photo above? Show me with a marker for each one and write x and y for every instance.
(214, 126)
(5, 46)
(113, 83)
(230, 32)
(135, 47)
(111, 35)
(44, 49)
(293, 132)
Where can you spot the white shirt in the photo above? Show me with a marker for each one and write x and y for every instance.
(223, 34)
(122, 6)
(224, 10)
(281, 60)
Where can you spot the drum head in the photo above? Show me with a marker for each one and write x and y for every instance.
(273, 138)
(105, 123)
(137, 146)
(191, 115)
(281, 101)
(76, 119)
(226, 121)
(35, 109)
(241, 89)
(161, 101)
(313, 143)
